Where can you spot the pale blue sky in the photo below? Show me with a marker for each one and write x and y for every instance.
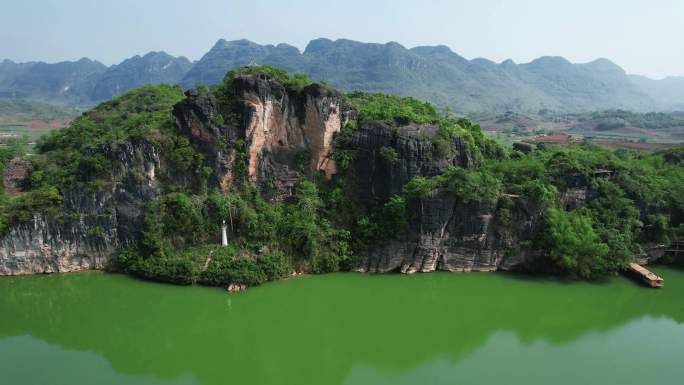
(643, 36)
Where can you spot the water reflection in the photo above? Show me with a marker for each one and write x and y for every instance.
(34, 362)
(344, 328)
(504, 358)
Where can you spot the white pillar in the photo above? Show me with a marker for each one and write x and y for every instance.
(224, 236)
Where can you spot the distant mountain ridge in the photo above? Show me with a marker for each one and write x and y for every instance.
(668, 91)
(433, 73)
(64, 82)
(153, 68)
(85, 82)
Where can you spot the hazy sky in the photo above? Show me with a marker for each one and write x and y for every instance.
(643, 36)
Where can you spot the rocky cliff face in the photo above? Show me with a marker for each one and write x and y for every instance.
(93, 225)
(448, 235)
(444, 233)
(283, 134)
(378, 178)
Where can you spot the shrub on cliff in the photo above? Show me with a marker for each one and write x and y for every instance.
(295, 82)
(45, 200)
(306, 234)
(466, 185)
(573, 247)
(134, 114)
(226, 266)
(389, 155)
(394, 110)
(171, 222)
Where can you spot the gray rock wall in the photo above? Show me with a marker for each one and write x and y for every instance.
(93, 226)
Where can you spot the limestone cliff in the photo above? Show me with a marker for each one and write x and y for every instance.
(280, 129)
(93, 225)
(444, 234)
(280, 136)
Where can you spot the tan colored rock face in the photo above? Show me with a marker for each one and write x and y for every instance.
(286, 134)
(279, 126)
(256, 132)
(320, 131)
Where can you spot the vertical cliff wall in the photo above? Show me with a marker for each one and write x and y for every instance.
(444, 233)
(284, 134)
(92, 224)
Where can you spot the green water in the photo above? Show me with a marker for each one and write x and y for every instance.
(469, 329)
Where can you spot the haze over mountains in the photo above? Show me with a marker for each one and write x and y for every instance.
(433, 73)
(86, 81)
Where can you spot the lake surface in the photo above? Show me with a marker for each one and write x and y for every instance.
(426, 329)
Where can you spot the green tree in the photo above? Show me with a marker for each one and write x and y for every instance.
(572, 245)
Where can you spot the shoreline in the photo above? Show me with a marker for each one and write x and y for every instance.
(510, 273)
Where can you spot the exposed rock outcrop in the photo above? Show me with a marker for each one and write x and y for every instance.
(285, 134)
(93, 225)
(444, 233)
(378, 178)
(450, 236)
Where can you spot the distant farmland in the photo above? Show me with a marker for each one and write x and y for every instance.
(23, 117)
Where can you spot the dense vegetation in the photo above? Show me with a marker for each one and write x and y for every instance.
(632, 198)
(295, 82)
(267, 241)
(398, 111)
(79, 154)
(9, 150)
(394, 110)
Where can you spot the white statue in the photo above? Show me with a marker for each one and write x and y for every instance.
(224, 235)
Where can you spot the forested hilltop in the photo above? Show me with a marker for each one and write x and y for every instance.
(311, 180)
